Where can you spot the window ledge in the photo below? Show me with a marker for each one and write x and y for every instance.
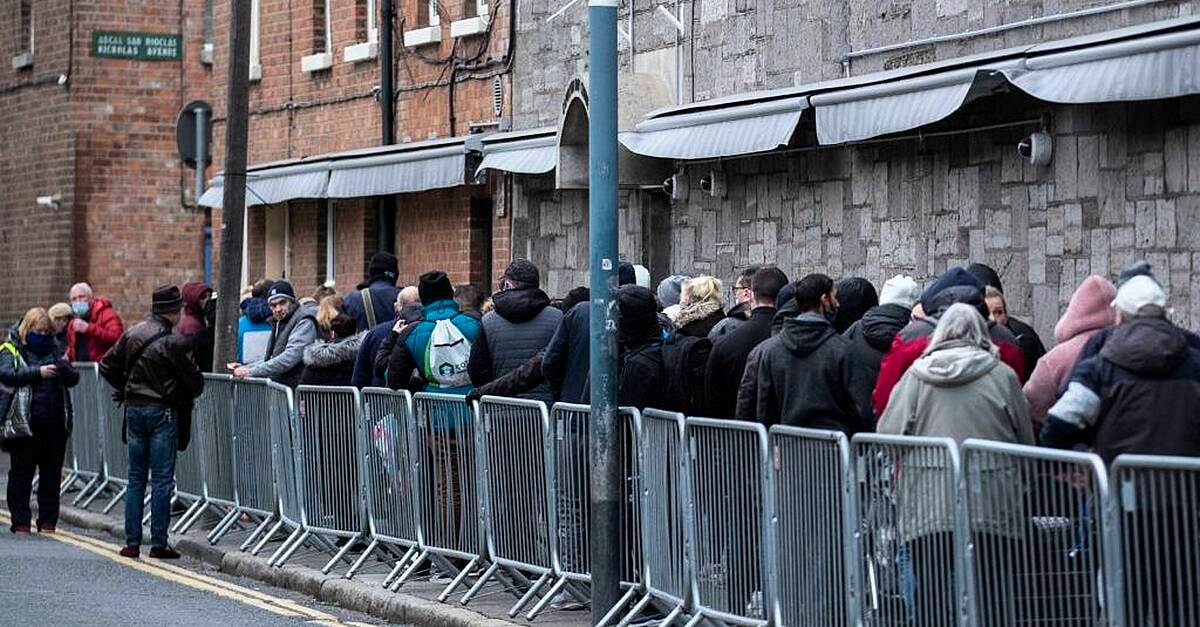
(422, 36)
(361, 52)
(206, 54)
(23, 60)
(255, 73)
(468, 27)
(316, 62)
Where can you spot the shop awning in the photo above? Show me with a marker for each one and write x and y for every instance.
(522, 152)
(399, 169)
(1147, 62)
(685, 133)
(273, 183)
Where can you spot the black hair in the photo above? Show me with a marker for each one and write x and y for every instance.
(767, 282)
(810, 289)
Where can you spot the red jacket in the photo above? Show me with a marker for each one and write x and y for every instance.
(104, 329)
(192, 320)
(911, 341)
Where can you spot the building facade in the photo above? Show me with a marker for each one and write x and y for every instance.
(94, 187)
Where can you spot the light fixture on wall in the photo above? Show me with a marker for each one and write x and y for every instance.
(54, 201)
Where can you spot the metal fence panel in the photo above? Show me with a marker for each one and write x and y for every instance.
(665, 511)
(730, 500)
(252, 446)
(1035, 530)
(910, 530)
(813, 555)
(1157, 527)
(87, 436)
(386, 433)
(446, 449)
(212, 430)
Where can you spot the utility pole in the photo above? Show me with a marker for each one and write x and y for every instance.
(607, 539)
(234, 204)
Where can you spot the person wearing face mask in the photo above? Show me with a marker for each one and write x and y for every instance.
(96, 327)
(806, 374)
(30, 359)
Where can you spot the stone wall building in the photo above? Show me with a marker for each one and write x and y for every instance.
(93, 136)
(1124, 181)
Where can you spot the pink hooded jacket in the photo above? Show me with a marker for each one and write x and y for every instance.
(1089, 311)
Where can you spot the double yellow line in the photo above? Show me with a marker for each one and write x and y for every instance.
(185, 577)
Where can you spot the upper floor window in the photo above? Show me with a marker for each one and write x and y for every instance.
(366, 32)
(24, 44)
(427, 30)
(206, 51)
(255, 42)
(322, 38)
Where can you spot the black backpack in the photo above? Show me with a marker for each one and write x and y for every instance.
(685, 360)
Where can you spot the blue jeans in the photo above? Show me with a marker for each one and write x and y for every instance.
(151, 433)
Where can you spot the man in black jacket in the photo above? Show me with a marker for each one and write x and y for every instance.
(806, 373)
(153, 372)
(380, 287)
(727, 361)
(641, 375)
(519, 327)
(872, 336)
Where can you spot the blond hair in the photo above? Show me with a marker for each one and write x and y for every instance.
(701, 289)
(329, 308)
(35, 320)
(60, 310)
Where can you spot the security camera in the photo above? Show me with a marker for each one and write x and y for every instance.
(714, 184)
(1037, 149)
(62, 79)
(49, 201)
(676, 187)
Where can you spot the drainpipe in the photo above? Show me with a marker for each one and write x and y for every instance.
(385, 216)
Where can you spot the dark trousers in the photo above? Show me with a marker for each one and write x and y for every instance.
(44, 455)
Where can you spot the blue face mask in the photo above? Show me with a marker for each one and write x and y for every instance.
(80, 309)
(39, 343)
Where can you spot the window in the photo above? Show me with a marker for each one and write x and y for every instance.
(255, 56)
(428, 19)
(24, 57)
(366, 31)
(474, 21)
(206, 52)
(322, 39)
(330, 233)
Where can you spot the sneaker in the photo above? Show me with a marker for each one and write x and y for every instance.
(45, 528)
(21, 530)
(164, 553)
(130, 550)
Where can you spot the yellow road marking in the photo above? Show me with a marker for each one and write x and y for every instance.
(182, 576)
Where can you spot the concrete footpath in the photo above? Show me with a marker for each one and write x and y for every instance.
(414, 604)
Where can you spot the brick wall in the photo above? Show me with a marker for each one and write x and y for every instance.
(433, 231)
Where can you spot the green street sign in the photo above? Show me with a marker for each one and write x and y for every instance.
(139, 46)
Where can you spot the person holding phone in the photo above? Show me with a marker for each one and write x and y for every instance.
(30, 359)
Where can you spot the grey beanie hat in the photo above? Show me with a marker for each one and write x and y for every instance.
(670, 288)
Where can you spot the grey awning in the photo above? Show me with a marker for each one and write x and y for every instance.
(719, 132)
(1165, 65)
(527, 152)
(270, 184)
(398, 169)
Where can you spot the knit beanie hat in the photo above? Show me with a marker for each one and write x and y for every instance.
(954, 277)
(639, 313)
(670, 288)
(281, 289)
(900, 290)
(384, 264)
(434, 286)
(625, 274)
(523, 272)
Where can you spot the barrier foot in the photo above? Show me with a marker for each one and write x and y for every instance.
(337, 557)
(633, 614)
(410, 572)
(458, 579)
(84, 490)
(66, 484)
(696, 620)
(116, 499)
(262, 526)
(224, 526)
(395, 572)
(487, 575)
(267, 538)
(186, 522)
(289, 546)
(87, 502)
(546, 599)
(198, 503)
(529, 594)
(614, 611)
(358, 563)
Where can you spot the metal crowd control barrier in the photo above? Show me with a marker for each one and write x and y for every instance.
(330, 478)
(388, 474)
(572, 488)
(212, 437)
(1156, 540)
(666, 515)
(814, 556)
(254, 485)
(1034, 515)
(910, 530)
(732, 501)
(115, 475)
(87, 442)
(515, 456)
(284, 467)
(450, 511)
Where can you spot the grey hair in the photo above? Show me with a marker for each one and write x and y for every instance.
(83, 287)
(963, 325)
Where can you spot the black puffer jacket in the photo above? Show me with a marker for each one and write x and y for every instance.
(870, 338)
(727, 362)
(1139, 395)
(519, 327)
(805, 378)
(51, 413)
